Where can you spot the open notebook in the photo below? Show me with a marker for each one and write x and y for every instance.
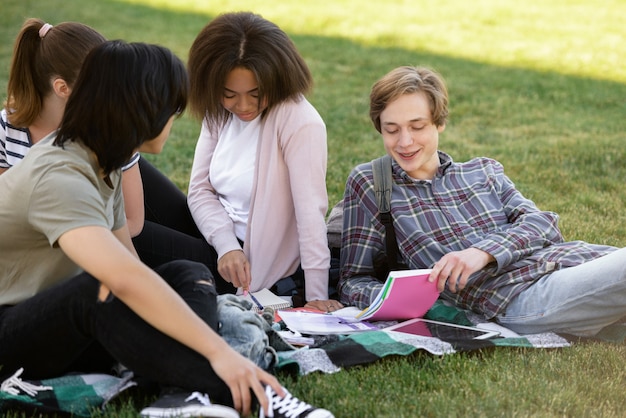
(266, 297)
(406, 294)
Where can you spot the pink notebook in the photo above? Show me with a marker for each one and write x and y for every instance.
(406, 294)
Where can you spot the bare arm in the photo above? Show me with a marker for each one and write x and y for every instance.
(133, 199)
(101, 254)
(123, 236)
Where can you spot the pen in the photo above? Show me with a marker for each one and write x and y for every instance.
(255, 300)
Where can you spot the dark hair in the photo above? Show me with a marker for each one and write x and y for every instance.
(244, 40)
(407, 80)
(38, 57)
(125, 95)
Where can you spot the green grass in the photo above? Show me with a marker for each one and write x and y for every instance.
(539, 86)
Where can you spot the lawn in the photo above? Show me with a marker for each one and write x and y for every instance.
(539, 86)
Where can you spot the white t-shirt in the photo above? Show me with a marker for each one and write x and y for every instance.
(232, 169)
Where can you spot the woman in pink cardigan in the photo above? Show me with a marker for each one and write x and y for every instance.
(258, 184)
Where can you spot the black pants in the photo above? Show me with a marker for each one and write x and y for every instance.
(169, 231)
(50, 333)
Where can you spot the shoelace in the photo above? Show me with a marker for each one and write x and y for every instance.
(14, 384)
(288, 405)
(202, 398)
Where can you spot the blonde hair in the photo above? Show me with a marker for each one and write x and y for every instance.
(407, 80)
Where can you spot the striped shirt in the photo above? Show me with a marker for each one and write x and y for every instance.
(16, 142)
(472, 204)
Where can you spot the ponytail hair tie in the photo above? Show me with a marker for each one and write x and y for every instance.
(44, 30)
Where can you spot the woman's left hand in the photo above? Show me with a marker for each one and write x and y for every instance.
(324, 305)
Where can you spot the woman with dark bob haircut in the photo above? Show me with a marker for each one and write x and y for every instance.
(258, 183)
(71, 285)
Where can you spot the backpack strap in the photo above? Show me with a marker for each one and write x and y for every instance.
(383, 184)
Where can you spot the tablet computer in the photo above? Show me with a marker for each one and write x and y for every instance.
(442, 330)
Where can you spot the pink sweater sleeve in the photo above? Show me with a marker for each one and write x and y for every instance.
(290, 200)
(306, 158)
(206, 209)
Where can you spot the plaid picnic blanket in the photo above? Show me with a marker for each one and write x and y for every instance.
(76, 395)
(81, 394)
(332, 353)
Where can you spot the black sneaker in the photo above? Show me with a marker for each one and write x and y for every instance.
(291, 407)
(184, 404)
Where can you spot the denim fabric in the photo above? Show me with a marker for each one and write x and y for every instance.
(578, 300)
(246, 331)
(48, 333)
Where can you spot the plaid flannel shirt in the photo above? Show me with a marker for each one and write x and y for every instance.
(472, 204)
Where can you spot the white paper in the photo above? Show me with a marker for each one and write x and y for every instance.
(322, 324)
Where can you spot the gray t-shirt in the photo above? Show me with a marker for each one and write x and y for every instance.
(52, 191)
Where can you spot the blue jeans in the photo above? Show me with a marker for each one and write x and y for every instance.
(51, 333)
(578, 300)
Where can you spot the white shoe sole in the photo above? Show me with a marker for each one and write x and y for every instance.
(212, 411)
